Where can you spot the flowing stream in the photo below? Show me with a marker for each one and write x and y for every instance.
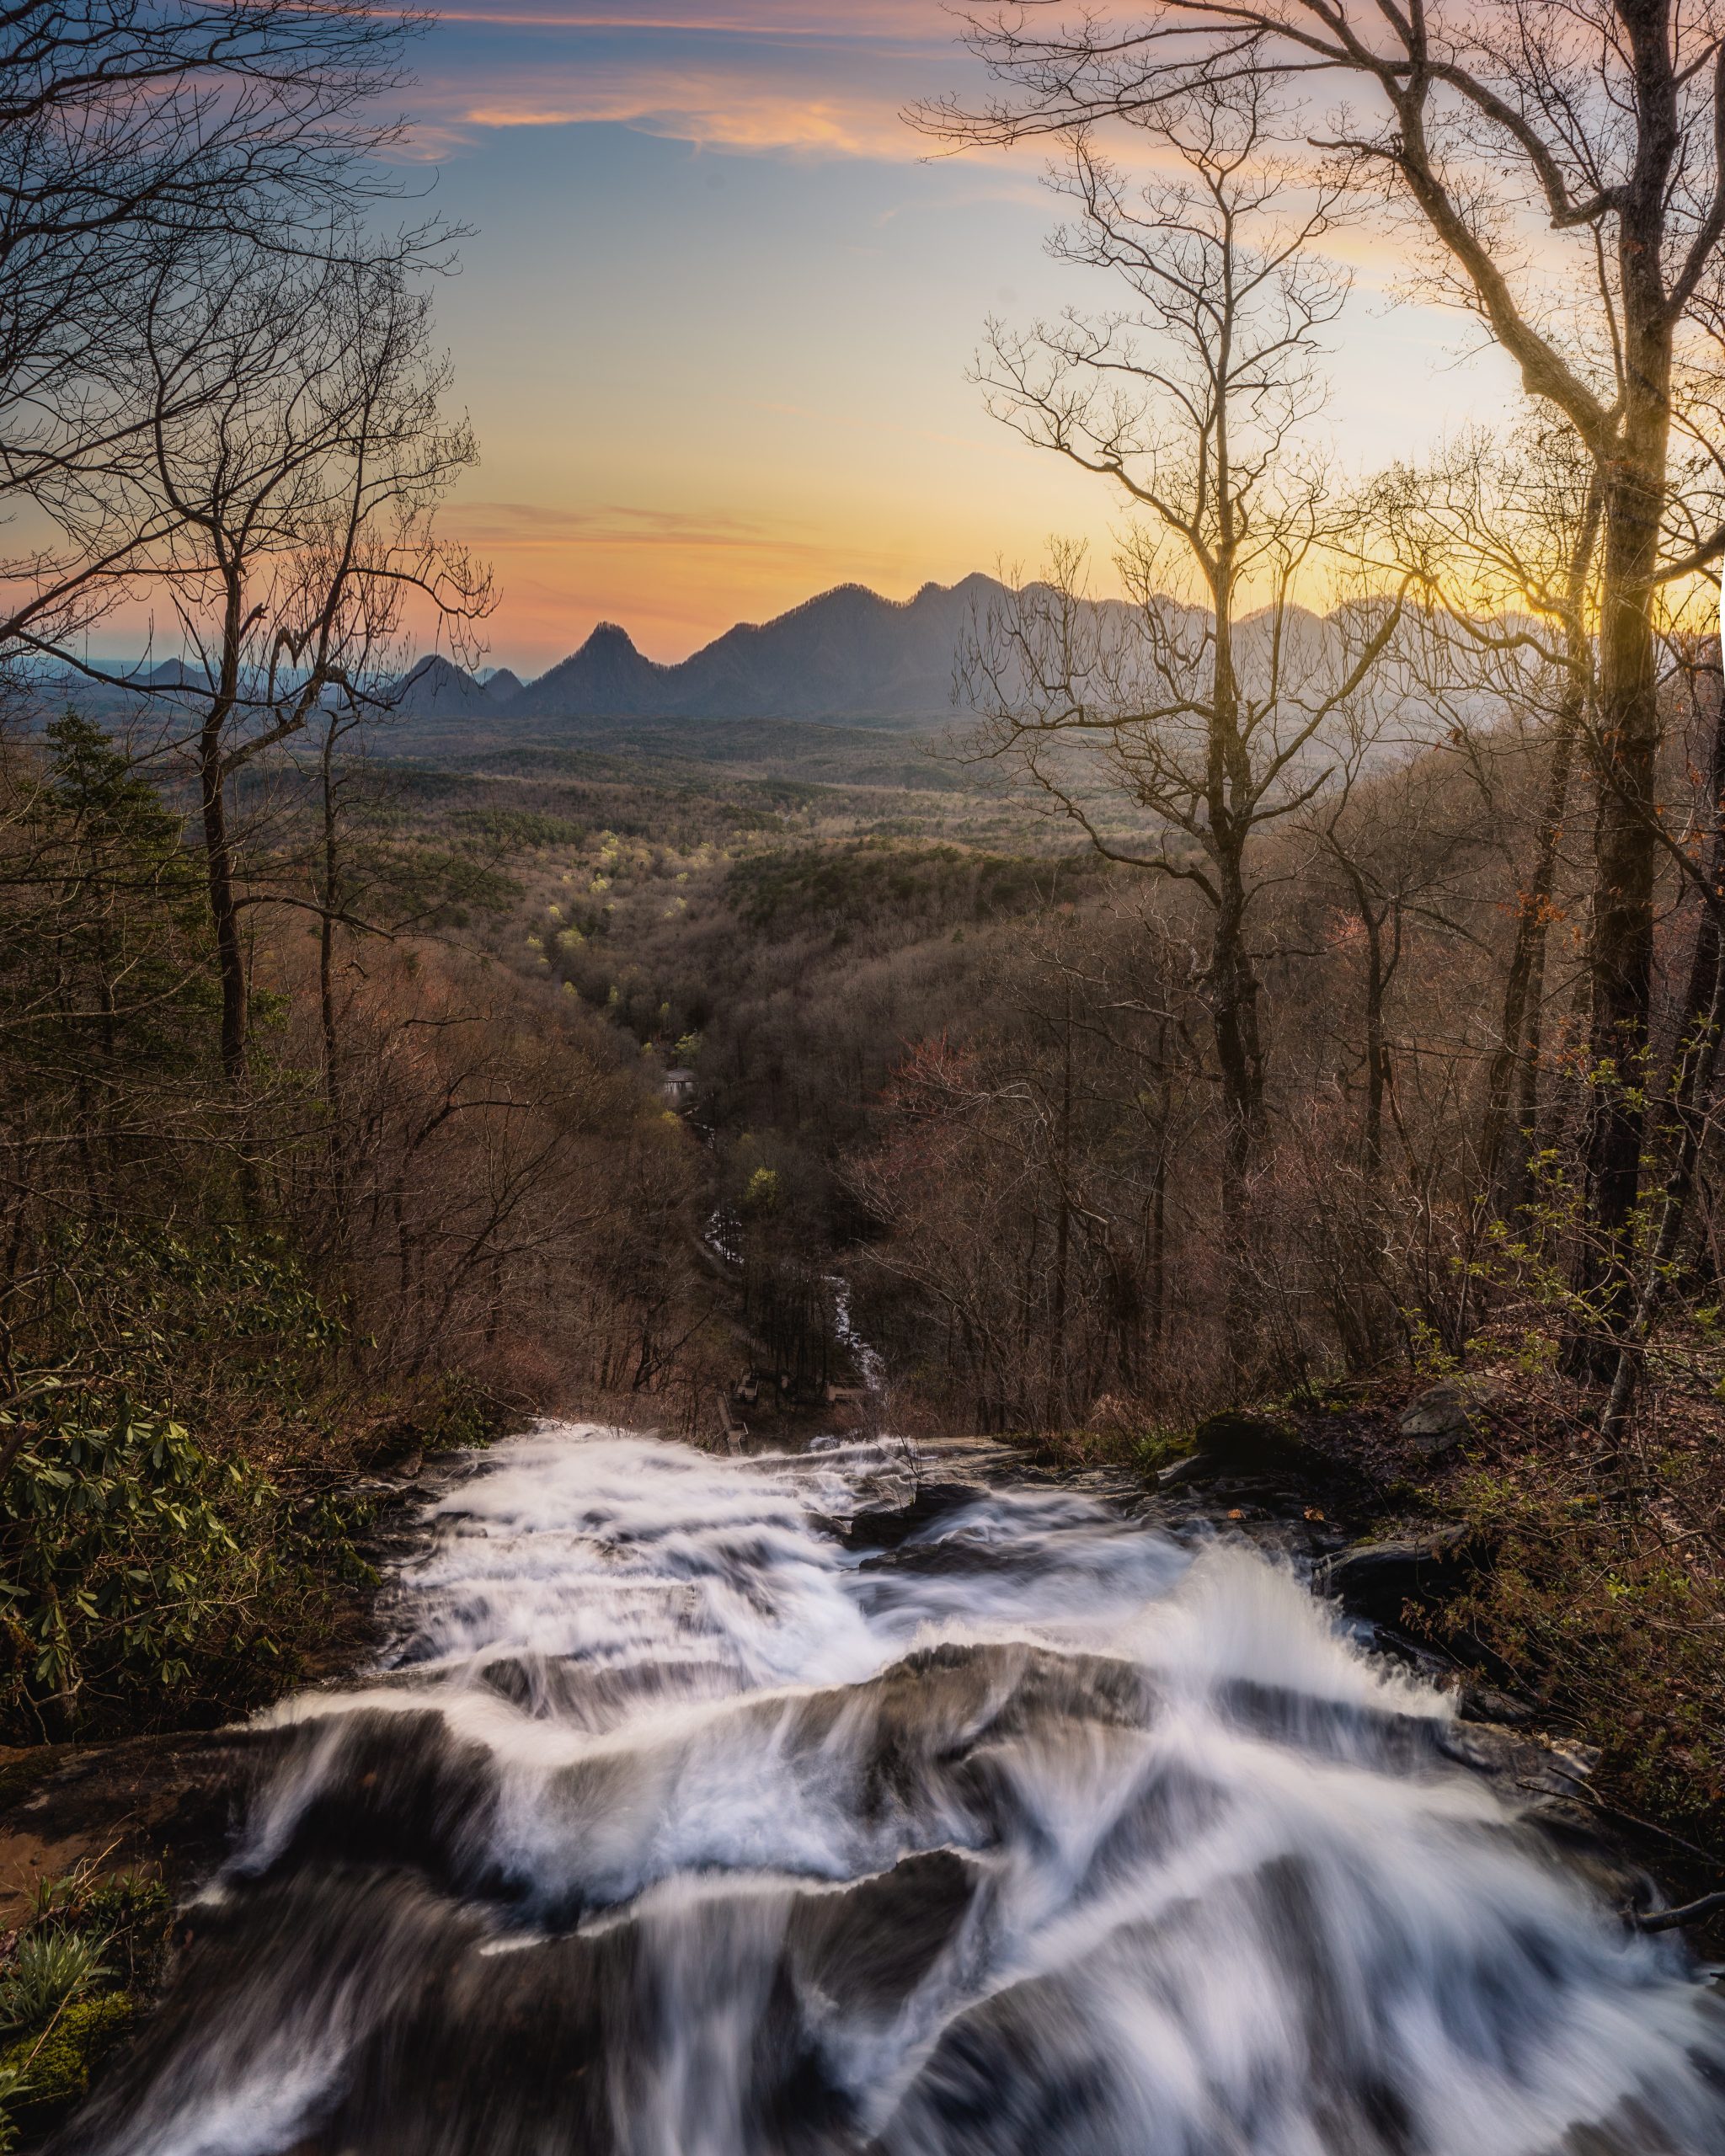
(682, 1822)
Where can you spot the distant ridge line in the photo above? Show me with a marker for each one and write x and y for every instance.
(845, 654)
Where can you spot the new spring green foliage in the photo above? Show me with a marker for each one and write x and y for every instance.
(132, 1288)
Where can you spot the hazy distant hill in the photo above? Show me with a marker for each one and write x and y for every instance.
(174, 674)
(848, 654)
(437, 688)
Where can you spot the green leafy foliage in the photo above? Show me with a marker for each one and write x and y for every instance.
(141, 1564)
(130, 1912)
(1592, 1607)
(69, 1991)
(104, 967)
(132, 1557)
(50, 1969)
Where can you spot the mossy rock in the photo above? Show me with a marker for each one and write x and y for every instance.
(57, 2078)
(1155, 1449)
(1239, 1442)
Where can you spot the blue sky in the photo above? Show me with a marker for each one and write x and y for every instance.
(714, 325)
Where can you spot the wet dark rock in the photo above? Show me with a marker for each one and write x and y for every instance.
(1339, 1730)
(173, 1800)
(874, 1943)
(1481, 1703)
(1375, 1580)
(1246, 1443)
(392, 1788)
(1034, 2070)
(885, 1527)
(595, 1696)
(1239, 1448)
(1539, 1776)
(957, 1559)
(586, 2021)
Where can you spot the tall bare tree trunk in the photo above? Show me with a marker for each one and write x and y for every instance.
(330, 905)
(1627, 845)
(224, 913)
(1622, 956)
(1231, 983)
(218, 844)
(1059, 1408)
(1687, 1104)
(1233, 997)
(1510, 1134)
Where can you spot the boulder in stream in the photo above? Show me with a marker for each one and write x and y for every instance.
(885, 1527)
(1233, 1446)
(1375, 1580)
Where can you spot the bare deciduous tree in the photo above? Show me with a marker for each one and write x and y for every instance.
(1603, 122)
(298, 455)
(141, 145)
(1212, 724)
(1501, 536)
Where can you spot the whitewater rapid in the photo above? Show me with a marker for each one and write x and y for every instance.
(695, 1814)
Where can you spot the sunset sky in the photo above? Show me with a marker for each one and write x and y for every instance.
(713, 324)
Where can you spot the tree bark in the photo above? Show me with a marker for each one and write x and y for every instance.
(1622, 956)
(218, 847)
(224, 913)
(1688, 1104)
(1634, 483)
(1509, 1142)
(1232, 982)
(330, 898)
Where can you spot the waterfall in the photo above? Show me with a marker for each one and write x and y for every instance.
(700, 1809)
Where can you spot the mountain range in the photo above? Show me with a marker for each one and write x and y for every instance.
(848, 654)
(847, 657)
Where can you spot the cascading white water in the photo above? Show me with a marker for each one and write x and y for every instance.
(683, 1825)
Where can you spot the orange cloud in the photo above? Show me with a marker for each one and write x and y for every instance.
(719, 112)
(766, 74)
(918, 19)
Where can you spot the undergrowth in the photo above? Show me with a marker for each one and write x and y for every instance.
(71, 1981)
(176, 1527)
(1604, 1606)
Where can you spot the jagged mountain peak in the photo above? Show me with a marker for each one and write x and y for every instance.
(437, 688)
(845, 654)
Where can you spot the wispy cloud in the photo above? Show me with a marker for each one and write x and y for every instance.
(772, 75)
(860, 19)
(537, 524)
(716, 112)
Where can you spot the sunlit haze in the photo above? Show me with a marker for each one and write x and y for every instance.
(714, 319)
